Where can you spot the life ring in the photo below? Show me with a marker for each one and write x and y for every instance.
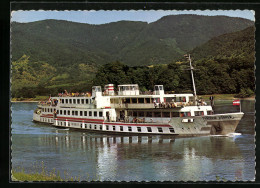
(38, 111)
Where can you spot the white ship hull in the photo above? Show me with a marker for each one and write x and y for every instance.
(219, 124)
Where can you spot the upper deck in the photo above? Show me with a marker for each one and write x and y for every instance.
(128, 96)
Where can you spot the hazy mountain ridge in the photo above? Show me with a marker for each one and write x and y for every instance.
(135, 43)
(52, 55)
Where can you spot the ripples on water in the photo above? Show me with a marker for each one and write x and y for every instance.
(133, 158)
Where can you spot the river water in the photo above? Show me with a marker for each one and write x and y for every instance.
(97, 157)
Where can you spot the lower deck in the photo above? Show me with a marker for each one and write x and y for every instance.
(185, 128)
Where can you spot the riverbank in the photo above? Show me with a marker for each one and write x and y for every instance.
(21, 175)
(36, 99)
(204, 97)
(224, 97)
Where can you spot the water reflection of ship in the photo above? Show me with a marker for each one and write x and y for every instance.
(189, 156)
(212, 147)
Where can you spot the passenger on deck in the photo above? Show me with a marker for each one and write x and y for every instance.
(154, 102)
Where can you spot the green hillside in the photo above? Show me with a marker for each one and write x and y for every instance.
(62, 43)
(223, 65)
(227, 63)
(52, 55)
(236, 44)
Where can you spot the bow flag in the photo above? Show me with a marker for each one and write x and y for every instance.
(236, 102)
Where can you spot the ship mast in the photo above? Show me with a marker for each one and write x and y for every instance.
(192, 77)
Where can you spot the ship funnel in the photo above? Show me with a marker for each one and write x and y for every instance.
(109, 90)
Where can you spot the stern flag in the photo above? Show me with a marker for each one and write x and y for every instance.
(236, 102)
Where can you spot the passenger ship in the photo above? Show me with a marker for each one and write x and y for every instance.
(130, 112)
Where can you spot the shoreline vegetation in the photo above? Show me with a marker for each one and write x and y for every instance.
(38, 172)
(204, 97)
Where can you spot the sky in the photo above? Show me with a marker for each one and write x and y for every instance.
(102, 17)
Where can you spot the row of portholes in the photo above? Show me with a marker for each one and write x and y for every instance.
(108, 127)
(47, 120)
(188, 128)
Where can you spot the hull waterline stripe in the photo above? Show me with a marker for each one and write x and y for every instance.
(106, 123)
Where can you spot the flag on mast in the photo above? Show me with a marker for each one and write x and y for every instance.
(236, 102)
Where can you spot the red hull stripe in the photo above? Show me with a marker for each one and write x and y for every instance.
(80, 119)
(98, 121)
(146, 125)
(48, 115)
(116, 123)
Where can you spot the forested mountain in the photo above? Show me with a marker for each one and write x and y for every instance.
(52, 55)
(62, 43)
(224, 64)
(236, 44)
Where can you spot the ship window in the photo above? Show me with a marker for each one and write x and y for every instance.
(149, 129)
(81, 113)
(210, 112)
(140, 114)
(141, 100)
(86, 113)
(199, 113)
(68, 112)
(78, 101)
(166, 114)
(147, 100)
(62, 101)
(160, 130)
(76, 113)
(48, 110)
(127, 100)
(61, 112)
(139, 129)
(114, 127)
(95, 113)
(90, 126)
(130, 129)
(134, 100)
(57, 111)
(134, 113)
(130, 113)
(70, 101)
(171, 130)
(67, 101)
(90, 113)
(149, 114)
(82, 101)
(175, 114)
(86, 101)
(95, 127)
(121, 128)
(74, 101)
(100, 114)
(65, 112)
(73, 112)
(107, 127)
(157, 114)
(100, 127)
(191, 99)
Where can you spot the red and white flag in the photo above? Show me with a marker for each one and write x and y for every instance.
(236, 102)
